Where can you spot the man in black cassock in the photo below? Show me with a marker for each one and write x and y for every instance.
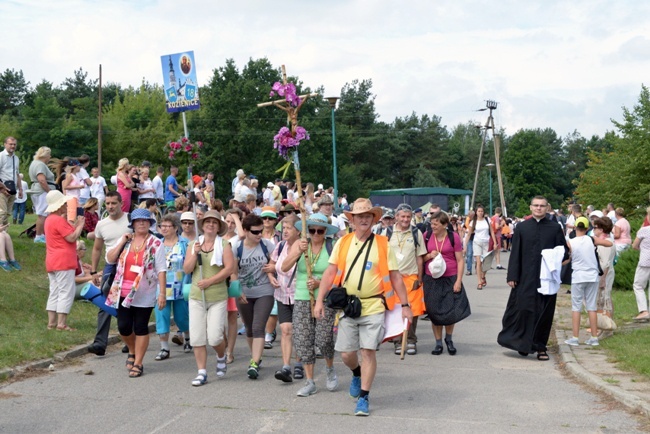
(528, 317)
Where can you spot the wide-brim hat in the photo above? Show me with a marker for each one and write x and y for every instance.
(141, 214)
(318, 220)
(288, 207)
(213, 214)
(363, 206)
(55, 200)
(325, 200)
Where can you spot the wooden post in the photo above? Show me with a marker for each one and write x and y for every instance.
(99, 124)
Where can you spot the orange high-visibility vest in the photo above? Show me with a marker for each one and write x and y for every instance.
(382, 249)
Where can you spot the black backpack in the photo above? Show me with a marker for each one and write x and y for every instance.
(414, 232)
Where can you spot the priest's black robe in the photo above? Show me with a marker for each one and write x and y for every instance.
(528, 317)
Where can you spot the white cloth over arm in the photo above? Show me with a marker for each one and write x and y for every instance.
(549, 275)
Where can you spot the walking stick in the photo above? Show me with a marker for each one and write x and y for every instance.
(405, 335)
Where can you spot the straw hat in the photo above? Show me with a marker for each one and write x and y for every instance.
(55, 200)
(363, 206)
(213, 214)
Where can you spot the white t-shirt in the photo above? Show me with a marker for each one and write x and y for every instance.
(97, 188)
(159, 185)
(482, 231)
(612, 216)
(111, 231)
(268, 196)
(24, 198)
(146, 185)
(83, 175)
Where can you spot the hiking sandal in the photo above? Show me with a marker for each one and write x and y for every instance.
(163, 354)
(130, 360)
(136, 371)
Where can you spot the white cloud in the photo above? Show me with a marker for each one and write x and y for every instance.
(564, 65)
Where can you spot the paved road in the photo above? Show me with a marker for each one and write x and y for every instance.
(483, 388)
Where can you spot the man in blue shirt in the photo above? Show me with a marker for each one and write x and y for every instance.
(172, 189)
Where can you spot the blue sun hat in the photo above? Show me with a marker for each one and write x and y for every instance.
(318, 220)
(141, 214)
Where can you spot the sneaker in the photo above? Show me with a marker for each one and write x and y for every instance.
(187, 348)
(125, 349)
(222, 367)
(499, 267)
(253, 370)
(97, 350)
(411, 349)
(398, 348)
(298, 372)
(242, 331)
(332, 382)
(573, 342)
(200, 380)
(268, 345)
(362, 407)
(284, 375)
(355, 387)
(308, 389)
(593, 341)
(16, 265)
(274, 336)
(5, 265)
(177, 339)
(39, 239)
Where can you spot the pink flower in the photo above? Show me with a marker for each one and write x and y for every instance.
(171, 155)
(184, 140)
(195, 156)
(188, 148)
(199, 144)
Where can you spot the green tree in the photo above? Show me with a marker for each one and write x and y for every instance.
(13, 89)
(621, 175)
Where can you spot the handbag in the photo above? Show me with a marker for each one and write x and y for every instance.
(605, 322)
(338, 297)
(11, 184)
(234, 289)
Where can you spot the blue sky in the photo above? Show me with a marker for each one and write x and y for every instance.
(558, 64)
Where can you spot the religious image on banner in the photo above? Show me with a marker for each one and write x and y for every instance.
(180, 83)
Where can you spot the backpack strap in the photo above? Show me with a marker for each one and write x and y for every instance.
(329, 245)
(240, 252)
(450, 235)
(281, 247)
(389, 232)
(414, 232)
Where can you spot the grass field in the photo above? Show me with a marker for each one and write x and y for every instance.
(23, 296)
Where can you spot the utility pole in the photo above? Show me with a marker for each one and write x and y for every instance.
(496, 140)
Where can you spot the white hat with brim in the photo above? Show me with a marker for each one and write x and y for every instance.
(55, 200)
(318, 220)
(364, 206)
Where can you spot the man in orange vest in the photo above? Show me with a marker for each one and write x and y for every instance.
(365, 264)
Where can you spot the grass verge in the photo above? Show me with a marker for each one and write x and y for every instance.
(23, 296)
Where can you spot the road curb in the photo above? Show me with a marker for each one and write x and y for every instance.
(628, 399)
(78, 351)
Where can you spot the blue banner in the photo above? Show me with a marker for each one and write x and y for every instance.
(180, 83)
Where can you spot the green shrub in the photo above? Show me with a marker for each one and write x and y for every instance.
(625, 268)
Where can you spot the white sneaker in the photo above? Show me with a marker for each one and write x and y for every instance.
(573, 342)
(332, 382)
(308, 389)
(592, 341)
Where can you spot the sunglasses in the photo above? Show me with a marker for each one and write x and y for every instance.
(187, 223)
(288, 212)
(317, 231)
(255, 232)
(268, 218)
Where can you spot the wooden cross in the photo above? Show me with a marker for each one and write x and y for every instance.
(292, 120)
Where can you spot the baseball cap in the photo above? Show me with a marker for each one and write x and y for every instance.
(582, 222)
